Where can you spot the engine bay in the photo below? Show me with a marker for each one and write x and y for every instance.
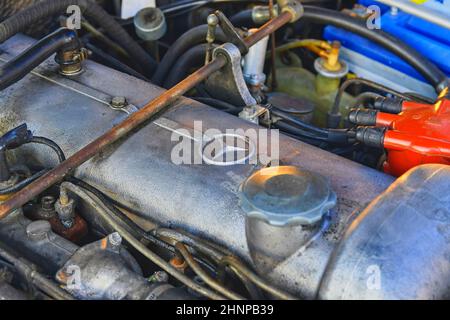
(210, 150)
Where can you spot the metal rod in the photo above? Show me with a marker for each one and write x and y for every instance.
(273, 45)
(147, 112)
(268, 28)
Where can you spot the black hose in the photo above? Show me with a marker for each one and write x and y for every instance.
(297, 132)
(195, 56)
(341, 20)
(51, 144)
(219, 104)
(21, 65)
(49, 8)
(22, 184)
(114, 63)
(302, 129)
(243, 18)
(366, 97)
(303, 125)
(194, 36)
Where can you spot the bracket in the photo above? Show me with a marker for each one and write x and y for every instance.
(228, 84)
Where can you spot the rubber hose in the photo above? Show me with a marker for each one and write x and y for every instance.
(22, 184)
(112, 62)
(303, 125)
(91, 10)
(20, 66)
(243, 18)
(219, 104)
(298, 132)
(194, 57)
(191, 38)
(52, 145)
(338, 19)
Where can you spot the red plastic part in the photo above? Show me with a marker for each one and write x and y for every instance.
(419, 134)
(386, 119)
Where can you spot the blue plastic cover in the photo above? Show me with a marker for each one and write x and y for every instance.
(430, 40)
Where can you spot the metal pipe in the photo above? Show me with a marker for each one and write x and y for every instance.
(268, 28)
(420, 11)
(254, 63)
(151, 109)
(18, 67)
(273, 44)
(39, 280)
(210, 281)
(104, 213)
(253, 277)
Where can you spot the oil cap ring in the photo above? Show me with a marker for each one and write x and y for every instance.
(286, 196)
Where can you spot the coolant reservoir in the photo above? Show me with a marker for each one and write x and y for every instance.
(299, 82)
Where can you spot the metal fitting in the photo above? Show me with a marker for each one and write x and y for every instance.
(294, 7)
(159, 277)
(254, 62)
(228, 84)
(47, 208)
(329, 65)
(70, 61)
(114, 240)
(212, 21)
(261, 14)
(178, 263)
(231, 32)
(65, 208)
(150, 24)
(252, 113)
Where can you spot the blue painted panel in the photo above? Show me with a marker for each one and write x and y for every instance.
(430, 40)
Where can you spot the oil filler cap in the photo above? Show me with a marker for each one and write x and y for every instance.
(286, 196)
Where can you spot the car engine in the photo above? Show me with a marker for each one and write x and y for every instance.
(210, 150)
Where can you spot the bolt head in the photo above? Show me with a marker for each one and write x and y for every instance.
(160, 276)
(118, 102)
(38, 230)
(115, 239)
(48, 202)
(212, 20)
